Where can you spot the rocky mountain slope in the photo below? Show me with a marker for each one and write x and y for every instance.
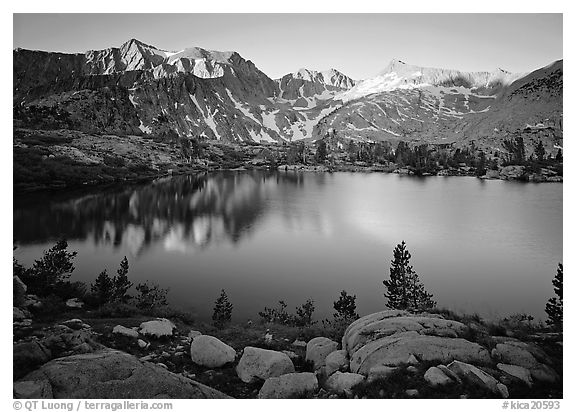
(439, 106)
(138, 89)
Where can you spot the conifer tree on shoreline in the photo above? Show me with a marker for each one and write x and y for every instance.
(404, 289)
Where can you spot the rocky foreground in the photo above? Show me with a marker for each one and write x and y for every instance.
(385, 354)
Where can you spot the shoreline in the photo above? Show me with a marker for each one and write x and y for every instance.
(344, 168)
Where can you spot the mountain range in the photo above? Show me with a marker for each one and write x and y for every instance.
(139, 89)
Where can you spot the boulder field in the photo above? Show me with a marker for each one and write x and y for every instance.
(428, 354)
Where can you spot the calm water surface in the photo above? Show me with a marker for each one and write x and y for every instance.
(485, 246)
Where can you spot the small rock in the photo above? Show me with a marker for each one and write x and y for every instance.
(157, 328)
(23, 323)
(512, 354)
(142, 344)
(75, 324)
(162, 365)
(19, 289)
(40, 389)
(17, 314)
(518, 372)
(343, 382)
(449, 373)
(412, 392)
(544, 373)
(299, 343)
(194, 333)
(290, 385)
(474, 376)
(74, 303)
(263, 364)
(436, 377)
(290, 354)
(336, 361)
(148, 358)
(317, 349)
(503, 390)
(412, 360)
(412, 369)
(124, 331)
(380, 372)
(211, 352)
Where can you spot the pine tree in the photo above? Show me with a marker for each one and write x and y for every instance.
(121, 282)
(321, 152)
(404, 289)
(222, 310)
(345, 307)
(103, 288)
(55, 267)
(540, 151)
(554, 307)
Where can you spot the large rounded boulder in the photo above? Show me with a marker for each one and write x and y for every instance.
(208, 351)
(109, 374)
(393, 338)
(257, 363)
(318, 349)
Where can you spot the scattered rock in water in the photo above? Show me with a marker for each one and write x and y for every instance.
(336, 361)
(436, 377)
(343, 382)
(380, 372)
(211, 352)
(290, 385)
(263, 364)
(124, 331)
(317, 349)
(517, 372)
(111, 374)
(74, 303)
(475, 376)
(157, 328)
(394, 337)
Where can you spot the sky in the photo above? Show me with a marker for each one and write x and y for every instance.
(359, 45)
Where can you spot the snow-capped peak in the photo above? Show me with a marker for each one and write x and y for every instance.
(400, 75)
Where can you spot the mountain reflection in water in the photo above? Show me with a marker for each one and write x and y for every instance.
(180, 213)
